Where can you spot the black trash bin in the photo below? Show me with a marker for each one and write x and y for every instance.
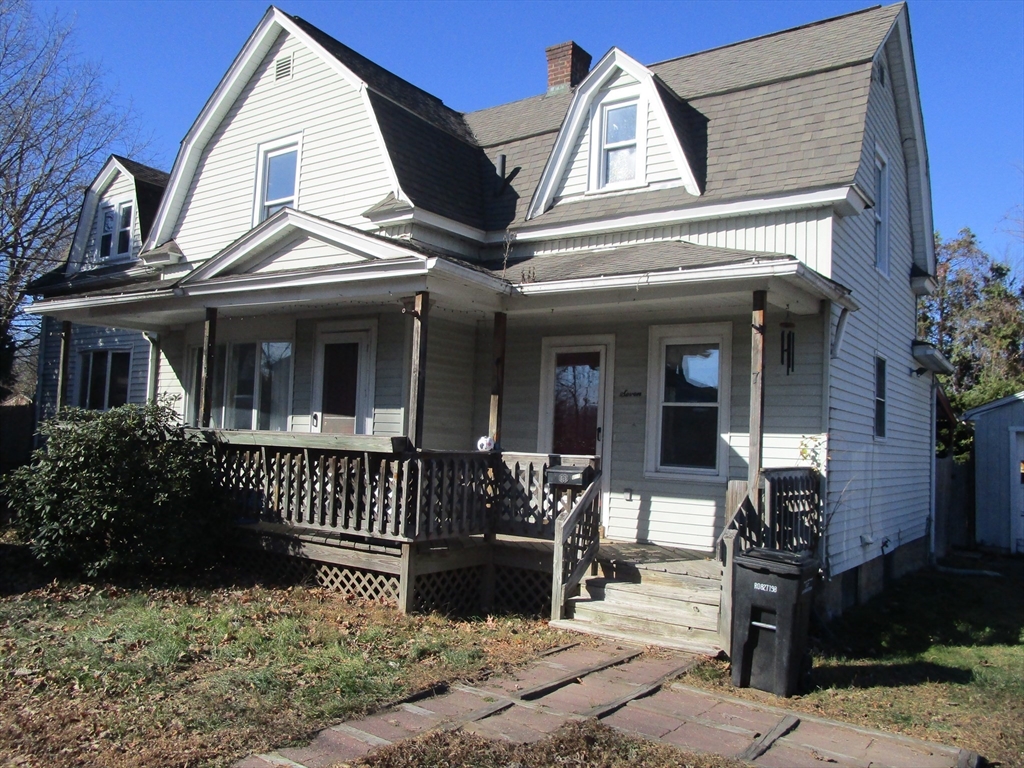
(772, 593)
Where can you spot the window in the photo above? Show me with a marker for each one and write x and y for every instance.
(103, 382)
(277, 178)
(881, 215)
(618, 143)
(250, 385)
(688, 396)
(116, 230)
(879, 397)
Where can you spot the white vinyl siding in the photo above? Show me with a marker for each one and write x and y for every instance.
(171, 372)
(303, 252)
(805, 234)
(451, 350)
(577, 171)
(878, 489)
(661, 166)
(342, 171)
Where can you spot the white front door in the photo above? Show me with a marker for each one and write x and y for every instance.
(575, 399)
(343, 383)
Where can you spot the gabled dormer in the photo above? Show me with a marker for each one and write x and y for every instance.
(624, 132)
(118, 212)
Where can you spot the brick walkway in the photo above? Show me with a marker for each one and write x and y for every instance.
(627, 689)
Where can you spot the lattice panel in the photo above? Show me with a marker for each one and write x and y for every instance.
(519, 590)
(368, 584)
(455, 592)
(271, 568)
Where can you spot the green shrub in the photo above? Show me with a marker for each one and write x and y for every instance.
(120, 492)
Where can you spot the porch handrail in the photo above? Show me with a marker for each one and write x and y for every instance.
(577, 539)
(787, 517)
(266, 437)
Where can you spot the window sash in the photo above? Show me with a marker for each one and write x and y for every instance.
(124, 230)
(612, 148)
(880, 391)
(272, 205)
(881, 215)
(251, 386)
(105, 379)
(694, 437)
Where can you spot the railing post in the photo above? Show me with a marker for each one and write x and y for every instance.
(209, 351)
(418, 375)
(557, 567)
(725, 604)
(407, 579)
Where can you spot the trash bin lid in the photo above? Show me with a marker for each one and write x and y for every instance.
(778, 556)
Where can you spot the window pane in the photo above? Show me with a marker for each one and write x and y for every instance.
(281, 175)
(621, 124)
(83, 381)
(620, 165)
(689, 436)
(119, 372)
(105, 243)
(98, 381)
(123, 241)
(275, 371)
(691, 373)
(241, 386)
(126, 217)
(109, 217)
(577, 391)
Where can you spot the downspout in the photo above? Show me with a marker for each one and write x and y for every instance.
(154, 365)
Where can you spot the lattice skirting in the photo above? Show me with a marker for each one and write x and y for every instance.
(272, 568)
(456, 592)
(521, 590)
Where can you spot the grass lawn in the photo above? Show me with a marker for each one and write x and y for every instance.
(938, 657)
(109, 676)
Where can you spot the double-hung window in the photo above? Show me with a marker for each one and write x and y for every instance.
(881, 214)
(688, 399)
(277, 178)
(250, 385)
(618, 141)
(103, 382)
(116, 231)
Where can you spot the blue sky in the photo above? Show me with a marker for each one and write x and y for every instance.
(166, 58)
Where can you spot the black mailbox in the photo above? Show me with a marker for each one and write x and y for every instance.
(569, 476)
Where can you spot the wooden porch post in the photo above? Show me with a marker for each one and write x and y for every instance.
(497, 376)
(418, 376)
(756, 395)
(209, 350)
(62, 371)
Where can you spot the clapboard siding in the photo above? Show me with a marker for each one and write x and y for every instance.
(675, 512)
(448, 414)
(576, 177)
(85, 338)
(805, 234)
(392, 380)
(303, 253)
(879, 489)
(342, 171)
(171, 372)
(661, 166)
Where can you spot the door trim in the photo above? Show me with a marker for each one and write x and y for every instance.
(545, 423)
(364, 331)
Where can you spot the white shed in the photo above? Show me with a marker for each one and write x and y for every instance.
(999, 472)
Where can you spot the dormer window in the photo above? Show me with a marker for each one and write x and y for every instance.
(278, 178)
(619, 145)
(116, 232)
(618, 141)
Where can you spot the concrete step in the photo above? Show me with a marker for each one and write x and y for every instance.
(655, 620)
(704, 643)
(702, 591)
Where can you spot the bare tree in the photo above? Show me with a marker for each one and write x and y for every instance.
(59, 122)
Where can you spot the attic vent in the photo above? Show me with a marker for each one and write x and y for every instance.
(283, 68)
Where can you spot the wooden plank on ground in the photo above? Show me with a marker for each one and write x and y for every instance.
(759, 746)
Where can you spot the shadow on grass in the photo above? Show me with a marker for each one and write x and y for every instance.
(887, 675)
(929, 609)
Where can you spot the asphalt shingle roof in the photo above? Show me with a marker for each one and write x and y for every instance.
(150, 184)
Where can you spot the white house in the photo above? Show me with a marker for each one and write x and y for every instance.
(644, 267)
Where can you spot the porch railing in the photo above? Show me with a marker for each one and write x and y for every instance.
(788, 515)
(375, 487)
(577, 539)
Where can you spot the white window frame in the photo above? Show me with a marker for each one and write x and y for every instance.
(662, 336)
(84, 379)
(364, 333)
(117, 255)
(881, 212)
(195, 366)
(617, 97)
(265, 151)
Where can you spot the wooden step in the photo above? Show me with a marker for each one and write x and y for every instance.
(703, 591)
(666, 573)
(656, 620)
(706, 643)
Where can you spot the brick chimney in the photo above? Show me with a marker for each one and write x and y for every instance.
(568, 64)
